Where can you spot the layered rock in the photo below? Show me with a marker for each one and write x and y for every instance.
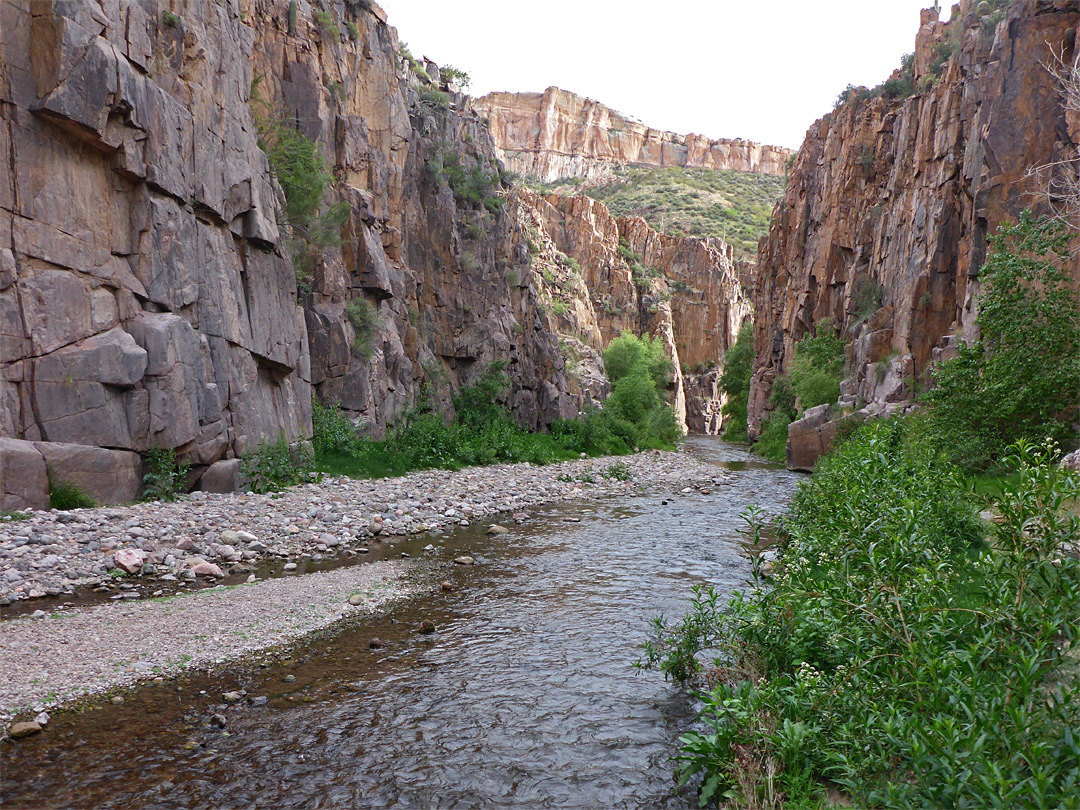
(557, 134)
(148, 297)
(884, 223)
(690, 294)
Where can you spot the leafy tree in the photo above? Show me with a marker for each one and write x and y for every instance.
(818, 367)
(734, 382)
(1021, 378)
(627, 352)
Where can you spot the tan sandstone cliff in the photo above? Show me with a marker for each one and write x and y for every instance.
(883, 225)
(557, 134)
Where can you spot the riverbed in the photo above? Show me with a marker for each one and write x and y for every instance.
(524, 696)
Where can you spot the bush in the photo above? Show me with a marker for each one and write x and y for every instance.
(64, 495)
(165, 479)
(1021, 379)
(896, 656)
(458, 77)
(365, 321)
(629, 352)
(332, 431)
(734, 383)
(170, 20)
(633, 396)
(325, 21)
(818, 367)
(276, 466)
(772, 443)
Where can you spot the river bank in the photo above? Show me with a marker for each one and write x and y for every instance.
(164, 545)
(51, 657)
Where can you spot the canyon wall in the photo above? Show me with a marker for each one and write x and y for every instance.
(685, 291)
(883, 225)
(557, 134)
(148, 294)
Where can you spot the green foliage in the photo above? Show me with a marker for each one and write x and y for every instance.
(619, 471)
(165, 479)
(896, 655)
(734, 383)
(458, 77)
(354, 31)
(170, 20)
(478, 404)
(633, 396)
(732, 205)
(292, 17)
(867, 298)
(629, 352)
(772, 442)
(474, 186)
(325, 21)
(365, 321)
(10, 516)
(275, 466)
(333, 433)
(64, 495)
(818, 367)
(1021, 379)
(436, 99)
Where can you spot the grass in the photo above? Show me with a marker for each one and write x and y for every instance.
(735, 206)
(64, 495)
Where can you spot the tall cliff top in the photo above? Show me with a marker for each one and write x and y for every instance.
(558, 134)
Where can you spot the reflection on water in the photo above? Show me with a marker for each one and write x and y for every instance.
(526, 696)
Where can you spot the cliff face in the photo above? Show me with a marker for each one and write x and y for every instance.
(147, 294)
(883, 225)
(689, 295)
(557, 134)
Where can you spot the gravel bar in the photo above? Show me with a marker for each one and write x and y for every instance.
(48, 661)
(204, 536)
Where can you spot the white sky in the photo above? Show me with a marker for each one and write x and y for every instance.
(727, 68)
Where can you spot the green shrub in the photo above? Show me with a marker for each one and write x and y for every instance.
(354, 31)
(734, 383)
(478, 404)
(170, 20)
(895, 656)
(365, 321)
(325, 21)
(458, 77)
(818, 367)
(1021, 379)
(629, 352)
(64, 495)
(772, 443)
(619, 471)
(275, 466)
(633, 396)
(436, 99)
(165, 479)
(333, 433)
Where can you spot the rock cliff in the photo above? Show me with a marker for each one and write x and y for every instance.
(883, 225)
(600, 275)
(148, 297)
(557, 134)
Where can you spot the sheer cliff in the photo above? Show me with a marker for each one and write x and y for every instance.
(883, 225)
(557, 134)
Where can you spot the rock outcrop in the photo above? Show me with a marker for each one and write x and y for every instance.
(148, 293)
(884, 223)
(557, 134)
(600, 276)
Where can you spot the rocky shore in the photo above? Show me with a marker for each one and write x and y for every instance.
(205, 536)
(49, 658)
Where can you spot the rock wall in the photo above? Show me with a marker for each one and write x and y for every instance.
(148, 297)
(883, 225)
(557, 134)
(692, 298)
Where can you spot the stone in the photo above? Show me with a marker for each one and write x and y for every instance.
(447, 586)
(233, 697)
(128, 560)
(464, 560)
(116, 700)
(495, 528)
(427, 627)
(24, 729)
(290, 566)
(207, 569)
(218, 720)
(24, 482)
(221, 477)
(375, 644)
(107, 476)
(356, 599)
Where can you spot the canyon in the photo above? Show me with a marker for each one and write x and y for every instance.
(151, 288)
(558, 134)
(884, 223)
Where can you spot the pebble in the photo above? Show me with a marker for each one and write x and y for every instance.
(375, 644)
(116, 700)
(356, 599)
(464, 559)
(290, 566)
(427, 628)
(218, 720)
(25, 729)
(447, 586)
(495, 528)
(57, 551)
(289, 679)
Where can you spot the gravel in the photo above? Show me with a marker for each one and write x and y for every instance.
(205, 536)
(48, 661)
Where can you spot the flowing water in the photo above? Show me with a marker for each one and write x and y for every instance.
(525, 697)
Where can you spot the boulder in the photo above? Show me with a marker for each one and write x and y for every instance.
(107, 476)
(221, 476)
(128, 559)
(24, 482)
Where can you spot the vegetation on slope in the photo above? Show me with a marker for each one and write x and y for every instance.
(732, 205)
(905, 652)
(734, 383)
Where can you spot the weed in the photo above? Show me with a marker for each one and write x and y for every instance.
(165, 479)
(365, 321)
(170, 20)
(619, 471)
(64, 495)
(275, 466)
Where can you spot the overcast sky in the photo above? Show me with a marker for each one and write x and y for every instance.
(725, 68)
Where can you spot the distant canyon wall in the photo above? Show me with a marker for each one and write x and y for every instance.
(557, 134)
(884, 223)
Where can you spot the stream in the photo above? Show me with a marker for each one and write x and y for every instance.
(525, 696)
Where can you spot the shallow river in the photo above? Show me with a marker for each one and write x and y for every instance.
(525, 697)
